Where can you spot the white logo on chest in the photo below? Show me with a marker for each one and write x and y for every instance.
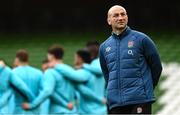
(130, 52)
(108, 49)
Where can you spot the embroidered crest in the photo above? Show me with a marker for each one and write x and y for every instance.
(130, 44)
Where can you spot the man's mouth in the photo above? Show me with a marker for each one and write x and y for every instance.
(121, 23)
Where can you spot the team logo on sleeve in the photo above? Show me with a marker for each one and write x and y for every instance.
(130, 44)
(108, 49)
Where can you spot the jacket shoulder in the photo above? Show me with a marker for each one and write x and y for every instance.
(139, 34)
(49, 71)
(35, 70)
(64, 67)
(7, 70)
(105, 42)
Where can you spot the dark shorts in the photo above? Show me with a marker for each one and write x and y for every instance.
(144, 108)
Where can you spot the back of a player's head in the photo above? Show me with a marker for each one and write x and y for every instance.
(45, 65)
(57, 51)
(22, 55)
(45, 61)
(85, 55)
(93, 47)
(92, 43)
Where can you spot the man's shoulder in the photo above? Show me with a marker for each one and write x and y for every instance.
(106, 41)
(35, 69)
(63, 66)
(6, 70)
(139, 34)
(17, 69)
(50, 71)
(95, 61)
(52, 74)
(84, 71)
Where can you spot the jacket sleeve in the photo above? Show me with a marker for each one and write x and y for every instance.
(153, 59)
(1, 67)
(59, 99)
(89, 93)
(47, 89)
(5, 98)
(21, 86)
(94, 68)
(103, 64)
(44, 107)
(72, 74)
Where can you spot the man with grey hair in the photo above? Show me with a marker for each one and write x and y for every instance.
(131, 66)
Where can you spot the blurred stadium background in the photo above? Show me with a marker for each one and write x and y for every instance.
(37, 24)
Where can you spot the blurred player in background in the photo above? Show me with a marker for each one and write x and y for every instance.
(89, 102)
(9, 83)
(30, 76)
(55, 87)
(88, 106)
(44, 107)
(45, 65)
(95, 68)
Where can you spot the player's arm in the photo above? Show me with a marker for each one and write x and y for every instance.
(71, 74)
(48, 85)
(21, 87)
(60, 99)
(103, 64)
(153, 59)
(5, 97)
(1, 67)
(94, 68)
(44, 107)
(87, 92)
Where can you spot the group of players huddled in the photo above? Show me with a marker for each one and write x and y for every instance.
(58, 88)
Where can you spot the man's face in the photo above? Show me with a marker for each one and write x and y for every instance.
(16, 62)
(77, 60)
(51, 60)
(50, 57)
(45, 66)
(117, 18)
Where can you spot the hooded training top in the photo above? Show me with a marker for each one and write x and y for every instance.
(10, 82)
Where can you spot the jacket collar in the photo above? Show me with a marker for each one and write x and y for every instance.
(124, 33)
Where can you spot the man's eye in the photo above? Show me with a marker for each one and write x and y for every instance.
(123, 14)
(116, 15)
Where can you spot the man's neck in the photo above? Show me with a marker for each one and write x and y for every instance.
(79, 66)
(59, 62)
(23, 64)
(118, 31)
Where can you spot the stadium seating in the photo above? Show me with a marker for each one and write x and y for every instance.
(171, 98)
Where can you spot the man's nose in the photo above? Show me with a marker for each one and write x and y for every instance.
(120, 17)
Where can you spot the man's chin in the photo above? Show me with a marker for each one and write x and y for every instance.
(121, 27)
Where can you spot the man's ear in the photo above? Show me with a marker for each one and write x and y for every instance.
(108, 21)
